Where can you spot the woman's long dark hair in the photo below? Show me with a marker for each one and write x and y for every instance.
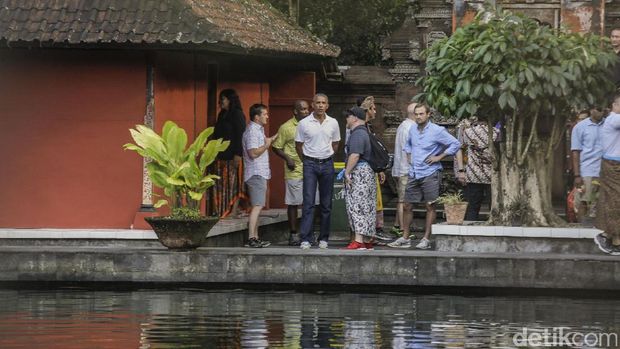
(233, 98)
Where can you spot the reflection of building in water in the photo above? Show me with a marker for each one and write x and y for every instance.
(359, 334)
(254, 333)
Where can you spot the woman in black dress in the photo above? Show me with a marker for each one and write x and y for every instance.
(230, 126)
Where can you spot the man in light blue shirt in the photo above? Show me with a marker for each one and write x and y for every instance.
(608, 206)
(587, 152)
(428, 143)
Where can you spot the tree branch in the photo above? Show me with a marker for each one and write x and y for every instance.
(510, 127)
(529, 140)
(494, 154)
(556, 136)
(519, 140)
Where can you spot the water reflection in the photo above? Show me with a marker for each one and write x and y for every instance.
(246, 319)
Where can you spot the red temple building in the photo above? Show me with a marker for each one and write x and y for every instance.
(76, 75)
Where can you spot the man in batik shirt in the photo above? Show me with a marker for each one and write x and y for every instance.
(475, 137)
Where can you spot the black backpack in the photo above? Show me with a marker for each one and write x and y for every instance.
(380, 160)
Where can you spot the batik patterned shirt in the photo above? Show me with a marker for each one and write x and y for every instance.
(479, 157)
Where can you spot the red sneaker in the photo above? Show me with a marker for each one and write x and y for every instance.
(369, 246)
(355, 246)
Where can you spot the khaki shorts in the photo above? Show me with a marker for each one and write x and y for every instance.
(257, 189)
(294, 193)
(589, 192)
(401, 187)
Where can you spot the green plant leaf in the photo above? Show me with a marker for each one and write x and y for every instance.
(160, 203)
(195, 196)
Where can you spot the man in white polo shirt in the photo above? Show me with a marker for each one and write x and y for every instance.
(316, 141)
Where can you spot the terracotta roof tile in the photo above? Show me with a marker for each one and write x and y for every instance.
(245, 24)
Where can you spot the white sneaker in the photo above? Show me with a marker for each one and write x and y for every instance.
(424, 244)
(323, 244)
(304, 245)
(401, 242)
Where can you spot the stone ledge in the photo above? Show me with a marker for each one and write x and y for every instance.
(222, 227)
(469, 229)
(326, 267)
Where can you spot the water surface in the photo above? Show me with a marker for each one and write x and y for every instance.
(196, 318)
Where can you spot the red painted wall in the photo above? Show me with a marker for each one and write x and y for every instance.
(64, 116)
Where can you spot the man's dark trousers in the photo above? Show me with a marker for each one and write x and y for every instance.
(474, 195)
(321, 173)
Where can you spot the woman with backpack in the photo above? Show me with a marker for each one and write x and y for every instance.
(359, 179)
(368, 104)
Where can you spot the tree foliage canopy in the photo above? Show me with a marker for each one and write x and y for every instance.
(358, 27)
(509, 64)
(509, 68)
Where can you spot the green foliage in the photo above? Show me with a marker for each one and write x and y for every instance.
(451, 198)
(356, 26)
(505, 64)
(185, 213)
(179, 170)
(519, 210)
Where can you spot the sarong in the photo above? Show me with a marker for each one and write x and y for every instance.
(228, 189)
(608, 206)
(361, 200)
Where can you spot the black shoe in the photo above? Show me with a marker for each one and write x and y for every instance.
(380, 235)
(604, 244)
(294, 240)
(256, 243)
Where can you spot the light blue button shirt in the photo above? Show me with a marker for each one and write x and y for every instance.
(432, 140)
(610, 137)
(586, 137)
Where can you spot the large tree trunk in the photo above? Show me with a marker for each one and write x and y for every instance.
(521, 181)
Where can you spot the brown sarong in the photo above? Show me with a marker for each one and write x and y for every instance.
(227, 190)
(608, 206)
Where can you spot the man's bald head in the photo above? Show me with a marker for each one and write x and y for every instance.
(411, 110)
(301, 109)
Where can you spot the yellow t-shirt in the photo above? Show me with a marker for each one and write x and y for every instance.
(286, 142)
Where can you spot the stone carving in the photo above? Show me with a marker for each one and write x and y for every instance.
(147, 185)
(433, 36)
(405, 72)
(435, 13)
(414, 50)
(392, 118)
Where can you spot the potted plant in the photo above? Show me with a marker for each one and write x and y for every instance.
(181, 172)
(454, 206)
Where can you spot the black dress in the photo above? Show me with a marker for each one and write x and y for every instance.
(228, 189)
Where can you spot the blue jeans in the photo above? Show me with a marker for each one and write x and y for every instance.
(323, 175)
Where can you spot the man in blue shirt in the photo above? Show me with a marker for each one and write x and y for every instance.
(587, 152)
(428, 143)
(608, 207)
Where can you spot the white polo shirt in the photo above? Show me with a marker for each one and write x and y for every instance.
(318, 137)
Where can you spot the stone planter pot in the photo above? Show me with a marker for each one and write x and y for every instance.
(177, 234)
(455, 213)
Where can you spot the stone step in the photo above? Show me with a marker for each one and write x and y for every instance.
(509, 244)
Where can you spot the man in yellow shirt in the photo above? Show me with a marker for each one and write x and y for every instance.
(284, 147)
